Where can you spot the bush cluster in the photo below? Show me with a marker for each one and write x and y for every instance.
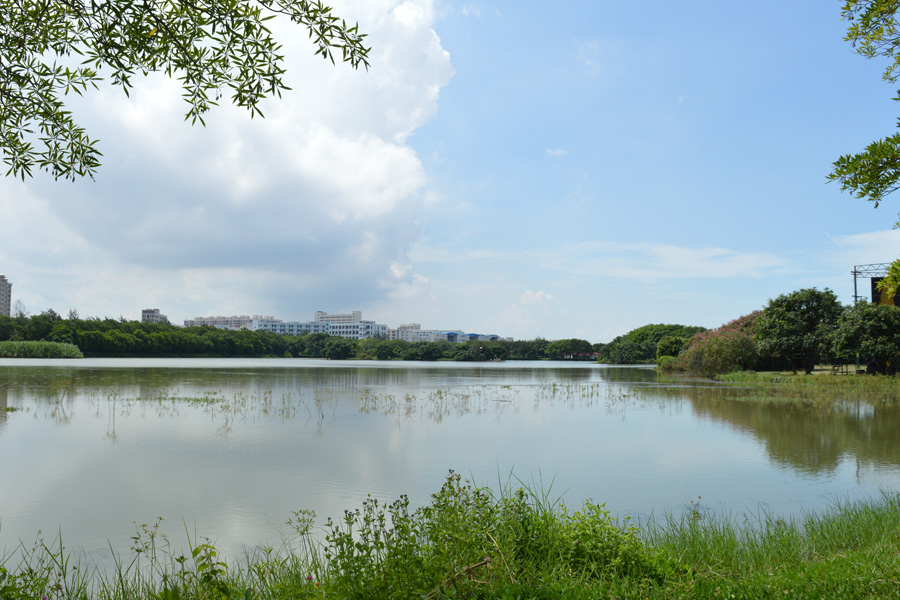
(38, 350)
(793, 331)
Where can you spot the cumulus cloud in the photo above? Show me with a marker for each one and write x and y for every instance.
(530, 316)
(310, 205)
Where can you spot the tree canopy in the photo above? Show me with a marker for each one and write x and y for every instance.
(797, 326)
(874, 32)
(49, 48)
(874, 173)
(640, 345)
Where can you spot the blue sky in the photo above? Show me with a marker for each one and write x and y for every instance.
(572, 170)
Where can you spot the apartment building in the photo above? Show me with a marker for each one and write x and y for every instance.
(5, 296)
(152, 315)
(347, 325)
(353, 317)
(232, 322)
(357, 330)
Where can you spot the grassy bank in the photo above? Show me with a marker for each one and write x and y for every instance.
(38, 350)
(821, 387)
(470, 543)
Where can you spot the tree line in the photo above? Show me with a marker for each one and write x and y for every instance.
(121, 338)
(794, 332)
(640, 345)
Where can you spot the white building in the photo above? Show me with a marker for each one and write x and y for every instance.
(353, 317)
(5, 296)
(232, 322)
(287, 327)
(152, 315)
(343, 325)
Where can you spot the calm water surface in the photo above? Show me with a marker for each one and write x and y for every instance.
(228, 449)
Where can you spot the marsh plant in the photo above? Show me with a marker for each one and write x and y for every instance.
(471, 542)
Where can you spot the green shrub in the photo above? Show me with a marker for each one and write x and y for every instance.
(39, 350)
(466, 540)
(729, 348)
(667, 363)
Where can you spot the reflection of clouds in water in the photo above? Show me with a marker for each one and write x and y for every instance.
(4, 405)
(233, 452)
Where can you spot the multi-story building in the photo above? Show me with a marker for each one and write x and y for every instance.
(412, 332)
(5, 296)
(232, 322)
(152, 315)
(348, 326)
(288, 327)
(353, 317)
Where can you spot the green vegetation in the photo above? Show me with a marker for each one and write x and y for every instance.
(640, 345)
(794, 331)
(874, 173)
(469, 542)
(798, 325)
(111, 337)
(38, 350)
(822, 389)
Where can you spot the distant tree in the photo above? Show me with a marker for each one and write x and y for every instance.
(572, 348)
(19, 310)
(731, 347)
(338, 348)
(669, 345)
(797, 326)
(640, 345)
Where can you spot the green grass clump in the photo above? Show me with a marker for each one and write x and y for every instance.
(822, 388)
(468, 542)
(39, 350)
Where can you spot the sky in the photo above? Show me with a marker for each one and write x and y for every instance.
(573, 169)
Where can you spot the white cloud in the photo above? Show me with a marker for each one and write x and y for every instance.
(868, 248)
(469, 10)
(310, 205)
(530, 316)
(643, 261)
(557, 152)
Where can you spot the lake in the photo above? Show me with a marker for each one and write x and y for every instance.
(227, 449)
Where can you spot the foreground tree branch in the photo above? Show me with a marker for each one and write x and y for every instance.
(213, 47)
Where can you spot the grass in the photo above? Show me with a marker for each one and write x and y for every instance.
(822, 388)
(39, 350)
(469, 542)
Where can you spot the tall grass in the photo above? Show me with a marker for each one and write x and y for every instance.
(39, 350)
(469, 542)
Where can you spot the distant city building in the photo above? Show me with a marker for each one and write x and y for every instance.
(152, 315)
(353, 317)
(233, 322)
(287, 327)
(412, 332)
(343, 325)
(5, 296)
(348, 325)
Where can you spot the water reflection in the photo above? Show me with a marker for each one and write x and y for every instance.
(810, 437)
(234, 447)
